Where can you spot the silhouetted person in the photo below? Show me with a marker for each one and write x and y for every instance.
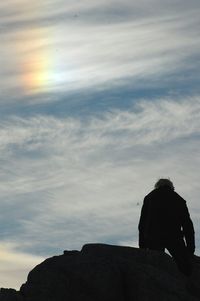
(165, 223)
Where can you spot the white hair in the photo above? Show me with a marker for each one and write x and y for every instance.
(164, 182)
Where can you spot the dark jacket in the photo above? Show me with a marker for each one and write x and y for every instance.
(165, 218)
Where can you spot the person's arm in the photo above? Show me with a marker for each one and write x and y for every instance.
(188, 229)
(141, 226)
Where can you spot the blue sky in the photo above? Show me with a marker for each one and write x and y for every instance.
(98, 100)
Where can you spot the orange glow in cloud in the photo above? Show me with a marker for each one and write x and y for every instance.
(39, 63)
(36, 73)
(36, 61)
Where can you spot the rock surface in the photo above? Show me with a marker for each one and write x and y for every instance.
(102, 272)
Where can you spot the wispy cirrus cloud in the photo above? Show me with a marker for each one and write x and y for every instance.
(73, 55)
(70, 181)
(181, 116)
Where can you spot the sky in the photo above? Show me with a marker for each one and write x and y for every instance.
(98, 100)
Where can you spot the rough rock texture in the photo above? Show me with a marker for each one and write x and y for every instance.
(102, 272)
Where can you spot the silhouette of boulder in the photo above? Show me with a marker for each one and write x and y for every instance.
(102, 272)
(10, 295)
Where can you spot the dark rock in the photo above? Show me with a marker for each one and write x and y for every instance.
(102, 272)
(9, 294)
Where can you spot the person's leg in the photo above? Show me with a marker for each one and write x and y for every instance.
(181, 256)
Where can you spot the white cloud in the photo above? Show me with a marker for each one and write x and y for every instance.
(76, 54)
(15, 266)
(68, 182)
(176, 119)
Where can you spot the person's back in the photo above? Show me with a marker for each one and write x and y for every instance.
(165, 214)
(165, 221)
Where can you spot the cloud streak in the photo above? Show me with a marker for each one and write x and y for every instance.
(68, 182)
(75, 55)
(141, 124)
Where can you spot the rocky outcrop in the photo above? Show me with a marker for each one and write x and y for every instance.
(102, 272)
